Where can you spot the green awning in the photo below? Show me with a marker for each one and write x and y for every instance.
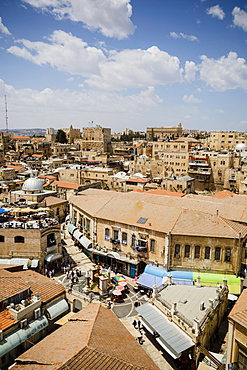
(18, 337)
(57, 308)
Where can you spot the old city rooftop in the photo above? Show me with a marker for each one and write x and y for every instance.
(92, 335)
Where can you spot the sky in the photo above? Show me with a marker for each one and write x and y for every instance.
(123, 64)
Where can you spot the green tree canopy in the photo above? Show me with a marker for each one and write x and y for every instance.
(61, 137)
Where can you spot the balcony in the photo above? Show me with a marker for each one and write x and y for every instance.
(198, 163)
(24, 308)
(200, 171)
(115, 241)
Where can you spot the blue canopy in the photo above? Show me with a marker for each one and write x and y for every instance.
(149, 280)
(2, 210)
(156, 271)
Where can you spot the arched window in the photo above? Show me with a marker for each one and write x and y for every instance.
(1, 238)
(19, 239)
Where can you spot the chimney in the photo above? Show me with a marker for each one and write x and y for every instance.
(169, 279)
(174, 308)
(198, 283)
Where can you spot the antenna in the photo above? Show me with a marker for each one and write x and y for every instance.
(6, 114)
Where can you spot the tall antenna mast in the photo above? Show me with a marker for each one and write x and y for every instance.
(6, 114)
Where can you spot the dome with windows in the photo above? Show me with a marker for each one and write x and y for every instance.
(241, 146)
(33, 185)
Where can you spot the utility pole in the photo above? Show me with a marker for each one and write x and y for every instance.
(6, 114)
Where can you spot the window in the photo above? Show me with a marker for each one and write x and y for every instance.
(115, 234)
(177, 251)
(51, 241)
(207, 253)
(197, 251)
(1, 239)
(19, 239)
(187, 251)
(227, 254)
(152, 245)
(133, 240)
(107, 234)
(217, 253)
(124, 238)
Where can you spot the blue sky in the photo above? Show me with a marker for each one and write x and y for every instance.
(124, 64)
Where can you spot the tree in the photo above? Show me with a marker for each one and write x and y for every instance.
(61, 137)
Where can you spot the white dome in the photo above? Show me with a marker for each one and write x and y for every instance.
(241, 146)
(138, 174)
(120, 175)
(32, 184)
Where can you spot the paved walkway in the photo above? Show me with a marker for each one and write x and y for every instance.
(125, 311)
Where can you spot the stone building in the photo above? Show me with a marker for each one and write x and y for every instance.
(225, 140)
(163, 132)
(183, 318)
(50, 134)
(72, 134)
(96, 138)
(174, 232)
(30, 305)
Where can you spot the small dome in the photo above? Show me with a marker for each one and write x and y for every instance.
(241, 146)
(32, 184)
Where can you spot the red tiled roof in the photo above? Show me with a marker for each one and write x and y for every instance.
(21, 138)
(48, 288)
(49, 177)
(68, 185)
(11, 286)
(165, 192)
(37, 155)
(223, 194)
(239, 311)
(93, 333)
(6, 320)
(16, 168)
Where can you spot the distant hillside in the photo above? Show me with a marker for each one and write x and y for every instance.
(28, 132)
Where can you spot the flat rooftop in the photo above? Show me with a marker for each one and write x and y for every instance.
(188, 299)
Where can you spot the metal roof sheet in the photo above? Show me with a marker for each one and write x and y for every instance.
(173, 338)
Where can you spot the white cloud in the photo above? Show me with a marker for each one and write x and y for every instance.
(191, 99)
(240, 18)
(111, 18)
(226, 73)
(190, 71)
(216, 11)
(138, 68)
(3, 28)
(181, 35)
(63, 106)
(120, 70)
(65, 52)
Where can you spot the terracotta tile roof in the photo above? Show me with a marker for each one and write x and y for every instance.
(94, 332)
(239, 311)
(6, 320)
(48, 288)
(67, 185)
(165, 192)
(21, 138)
(171, 214)
(16, 168)
(37, 155)
(91, 359)
(223, 194)
(11, 286)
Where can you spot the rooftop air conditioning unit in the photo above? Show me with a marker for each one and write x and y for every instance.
(37, 313)
(23, 323)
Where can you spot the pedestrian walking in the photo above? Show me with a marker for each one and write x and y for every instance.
(134, 323)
